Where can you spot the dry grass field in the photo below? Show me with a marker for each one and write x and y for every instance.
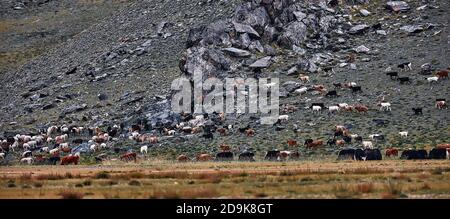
(163, 179)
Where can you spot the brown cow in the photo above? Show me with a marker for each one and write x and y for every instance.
(292, 143)
(129, 156)
(442, 74)
(391, 152)
(444, 145)
(153, 139)
(314, 144)
(361, 108)
(222, 131)
(196, 130)
(340, 142)
(204, 157)
(250, 132)
(183, 158)
(441, 104)
(70, 159)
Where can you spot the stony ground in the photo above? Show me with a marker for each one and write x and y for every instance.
(132, 57)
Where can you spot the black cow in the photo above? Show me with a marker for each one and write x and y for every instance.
(331, 142)
(359, 154)
(392, 74)
(272, 155)
(438, 153)
(346, 154)
(242, 129)
(308, 141)
(379, 138)
(373, 154)
(331, 93)
(404, 80)
(358, 139)
(338, 133)
(347, 139)
(224, 156)
(246, 156)
(356, 89)
(417, 111)
(413, 155)
(208, 135)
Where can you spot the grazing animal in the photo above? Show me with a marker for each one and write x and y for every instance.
(283, 118)
(331, 142)
(356, 89)
(153, 139)
(203, 157)
(313, 144)
(403, 134)
(183, 158)
(392, 74)
(246, 156)
(367, 144)
(385, 106)
(27, 160)
(272, 155)
(346, 154)
(208, 135)
(331, 93)
(405, 66)
(361, 108)
(417, 111)
(391, 152)
(442, 74)
(292, 143)
(93, 147)
(304, 78)
(337, 85)
(438, 153)
(432, 79)
(316, 109)
(250, 132)
(414, 154)
(301, 90)
(2, 155)
(404, 80)
(444, 145)
(333, 109)
(224, 156)
(27, 154)
(222, 131)
(70, 159)
(372, 154)
(144, 149)
(129, 156)
(441, 104)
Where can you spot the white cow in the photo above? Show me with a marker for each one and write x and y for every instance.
(28, 160)
(144, 149)
(283, 118)
(385, 106)
(93, 147)
(403, 134)
(333, 109)
(367, 144)
(433, 79)
(316, 109)
(45, 149)
(301, 90)
(54, 151)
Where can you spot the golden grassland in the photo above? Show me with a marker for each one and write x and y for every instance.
(164, 179)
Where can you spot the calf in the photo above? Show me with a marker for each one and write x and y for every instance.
(403, 134)
(404, 80)
(356, 89)
(392, 74)
(331, 93)
(442, 74)
(144, 149)
(405, 66)
(417, 111)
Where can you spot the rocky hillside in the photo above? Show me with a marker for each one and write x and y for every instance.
(120, 69)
